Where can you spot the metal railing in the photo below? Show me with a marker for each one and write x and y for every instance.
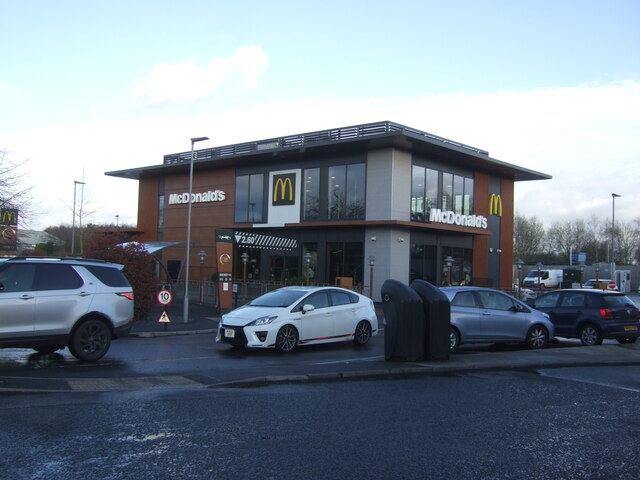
(311, 138)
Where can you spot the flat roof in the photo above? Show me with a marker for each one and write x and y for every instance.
(335, 141)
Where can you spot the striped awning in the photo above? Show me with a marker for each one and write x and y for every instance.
(264, 242)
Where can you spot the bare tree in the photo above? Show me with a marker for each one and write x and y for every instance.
(528, 235)
(627, 241)
(14, 192)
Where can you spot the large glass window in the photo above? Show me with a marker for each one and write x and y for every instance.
(355, 191)
(249, 198)
(433, 189)
(311, 194)
(345, 259)
(447, 191)
(458, 193)
(468, 196)
(417, 193)
(346, 196)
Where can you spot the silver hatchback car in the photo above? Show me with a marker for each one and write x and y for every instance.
(485, 315)
(51, 303)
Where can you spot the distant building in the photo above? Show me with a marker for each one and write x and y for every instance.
(381, 193)
(28, 239)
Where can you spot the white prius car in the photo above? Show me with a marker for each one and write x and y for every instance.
(292, 316)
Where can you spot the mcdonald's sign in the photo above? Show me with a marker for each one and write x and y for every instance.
(495, 204)
(8, 216)
(284, 188)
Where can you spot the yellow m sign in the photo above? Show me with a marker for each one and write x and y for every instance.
(495, 205)
(284, 189)
(8, 216)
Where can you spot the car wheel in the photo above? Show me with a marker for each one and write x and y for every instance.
(627, 340)
(90, 340)
(590, 335)
(287, 339)
(537, 337)
(454, 339)
(363, 333)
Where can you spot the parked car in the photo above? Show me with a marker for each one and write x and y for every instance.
(51, 303)
(292, 316)
(610, 284)
(485, 315)
(591, 315)
(524, 294)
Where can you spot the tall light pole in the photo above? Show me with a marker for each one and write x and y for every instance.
(613, 233)
(372, 263)
(245, 259)
(201, 255)
(73, 222)
(185, 312)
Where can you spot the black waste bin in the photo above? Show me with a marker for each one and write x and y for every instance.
(404, 322)
(437, 313)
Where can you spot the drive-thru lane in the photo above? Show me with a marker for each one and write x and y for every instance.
(188, 361)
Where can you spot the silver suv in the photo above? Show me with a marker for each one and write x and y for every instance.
(51, 303)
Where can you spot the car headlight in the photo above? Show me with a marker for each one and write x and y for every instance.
(263, 320)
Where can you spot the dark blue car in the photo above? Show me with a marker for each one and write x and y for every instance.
(591, 315)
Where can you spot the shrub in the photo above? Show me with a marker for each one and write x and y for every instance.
(138, 266)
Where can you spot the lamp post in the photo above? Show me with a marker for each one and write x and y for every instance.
(613, 233)
(73, 223)
(519, 264)
(539, 266)
(117, 219)
(448, 263)
(597, 265)
(307, 264)
(201, 255)
(245, 259)
(185, 312)
(372, 263)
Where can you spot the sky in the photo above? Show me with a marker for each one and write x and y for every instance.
(91, 87)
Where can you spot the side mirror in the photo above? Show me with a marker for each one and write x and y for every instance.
(1, 287)
(308, 308)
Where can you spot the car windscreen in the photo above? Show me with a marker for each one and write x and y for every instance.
(278, 298)
(616, 301)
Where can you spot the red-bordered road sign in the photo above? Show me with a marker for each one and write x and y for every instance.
(164, 297)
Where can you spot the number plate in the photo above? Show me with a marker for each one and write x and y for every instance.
(229, 333)
(630, 328)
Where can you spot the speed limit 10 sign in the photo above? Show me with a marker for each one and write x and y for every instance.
(164, 297)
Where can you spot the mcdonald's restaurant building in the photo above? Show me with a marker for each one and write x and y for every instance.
(352, 206)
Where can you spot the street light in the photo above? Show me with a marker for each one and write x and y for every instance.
(519, 264)
(307, 263)
(613, 230)
(448, 262)
(372, 263)
(201, 255)
(539, 265)
(245, 259)
(185, 312)
(73, 223)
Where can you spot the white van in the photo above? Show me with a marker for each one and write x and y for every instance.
(548, 278)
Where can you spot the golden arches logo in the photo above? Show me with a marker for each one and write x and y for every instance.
(9, 216)
(495, 205)
(283, 189)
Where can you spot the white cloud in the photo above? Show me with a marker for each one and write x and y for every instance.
(586, 137)
(185, 81)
